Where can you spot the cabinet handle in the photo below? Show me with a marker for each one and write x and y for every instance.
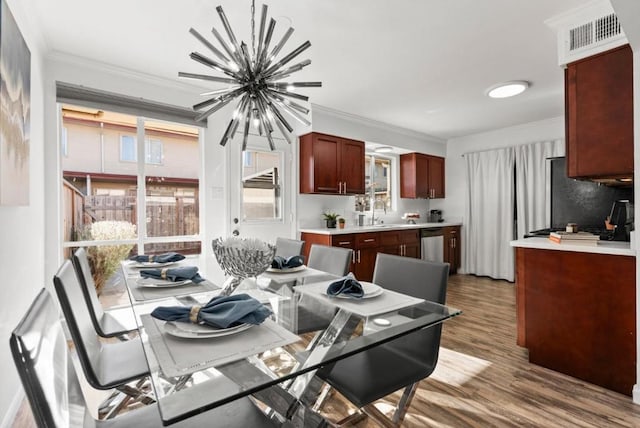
(358, 256)
(403, 250)
(454, 242)
(353, 256)
(369, 240)
(345, 187)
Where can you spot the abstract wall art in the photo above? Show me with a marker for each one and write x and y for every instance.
(15, 109)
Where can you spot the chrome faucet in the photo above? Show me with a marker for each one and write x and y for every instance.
(373, 209)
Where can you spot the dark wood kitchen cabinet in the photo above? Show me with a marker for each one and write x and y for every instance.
(421, 176)
(331, 165)
(401, 243)
(599, 115)
(452, 247)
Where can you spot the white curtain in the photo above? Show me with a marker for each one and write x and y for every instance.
(489, 213)
(532, 184)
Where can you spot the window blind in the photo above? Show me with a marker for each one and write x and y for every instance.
(94, 98)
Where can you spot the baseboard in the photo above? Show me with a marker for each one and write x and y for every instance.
(636, 393)
(9, 417)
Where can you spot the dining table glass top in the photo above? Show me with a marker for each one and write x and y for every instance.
(195, 368)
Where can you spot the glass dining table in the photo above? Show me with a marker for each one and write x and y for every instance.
(194, 369)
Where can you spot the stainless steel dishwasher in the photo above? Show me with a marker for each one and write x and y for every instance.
(432, 244)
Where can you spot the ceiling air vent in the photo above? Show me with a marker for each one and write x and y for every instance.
(587, 31)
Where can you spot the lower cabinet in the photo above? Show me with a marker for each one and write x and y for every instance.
(452, 246)
(367, 245)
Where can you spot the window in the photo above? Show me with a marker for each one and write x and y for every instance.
(377, 184)
(129, 152)
(101, 178)
(261, 181)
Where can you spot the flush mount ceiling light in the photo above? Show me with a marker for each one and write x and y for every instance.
(507, 89)
(255, 77)
(383, 149)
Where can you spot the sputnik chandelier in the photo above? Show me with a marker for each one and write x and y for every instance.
(255, 77)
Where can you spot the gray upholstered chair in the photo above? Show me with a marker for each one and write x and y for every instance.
(334, 260)
(41, 356)
(288, 247)
(105, 365)
(403, 362)
(115, 323)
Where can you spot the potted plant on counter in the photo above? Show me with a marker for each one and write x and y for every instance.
(331, 219)
(341, 223)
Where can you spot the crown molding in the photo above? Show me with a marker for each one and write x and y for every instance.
(63, 57)
(375, 123)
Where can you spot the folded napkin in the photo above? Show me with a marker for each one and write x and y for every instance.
(173, 274)
(280, 262)
(347, 286)
(160, 258)
(220, 312)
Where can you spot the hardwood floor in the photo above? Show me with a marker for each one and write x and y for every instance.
(484, 379)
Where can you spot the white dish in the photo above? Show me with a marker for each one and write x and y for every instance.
(161, 283)
(287, 270)
(151, 264)
(370, 290)
(197, 331)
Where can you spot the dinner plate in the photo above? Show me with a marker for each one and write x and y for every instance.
(370, 290)
(287, 270)
(151, 264)
(161, 283)
(198, 331)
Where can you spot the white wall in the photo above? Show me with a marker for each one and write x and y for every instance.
(311, 207)
(21, 230)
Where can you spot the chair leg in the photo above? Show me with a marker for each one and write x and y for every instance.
(404, 403)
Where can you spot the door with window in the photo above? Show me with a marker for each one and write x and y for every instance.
(260, 189)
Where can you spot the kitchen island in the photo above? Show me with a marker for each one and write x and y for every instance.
(576, 309)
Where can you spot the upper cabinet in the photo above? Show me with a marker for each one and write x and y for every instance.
(599, 115)
(421, 176)
(331, 165)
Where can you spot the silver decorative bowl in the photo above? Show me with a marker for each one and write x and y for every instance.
(242, 258)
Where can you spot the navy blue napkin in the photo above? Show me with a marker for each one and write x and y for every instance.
(280, 262)
(173, 274)
(160, 258)
(347, 286)
(220, 312)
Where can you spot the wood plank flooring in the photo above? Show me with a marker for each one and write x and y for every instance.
(484, 379)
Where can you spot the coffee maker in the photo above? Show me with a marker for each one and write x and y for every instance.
(622, 220)
(435, 216)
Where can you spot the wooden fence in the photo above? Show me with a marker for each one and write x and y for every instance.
(164, 217)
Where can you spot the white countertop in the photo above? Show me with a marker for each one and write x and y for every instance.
(377, 228)
(603, 247)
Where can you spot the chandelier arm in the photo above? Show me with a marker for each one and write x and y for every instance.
(263, 21)
(285, 85)
(246, 60)
(276, 112)
(267, 41)
(284, 133)
(294, 105)
(276, 75)
(207, 77)
(225, 46)
(278, 47)
(213, 109)
(198, 57)
(293, 113)
(218, 92)
(208, 44)
(227, 28)
(297, 51)
(290, 94)
(225, 136)
(247, 124)
(263, 115)
(231, 95)
(240, 113)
